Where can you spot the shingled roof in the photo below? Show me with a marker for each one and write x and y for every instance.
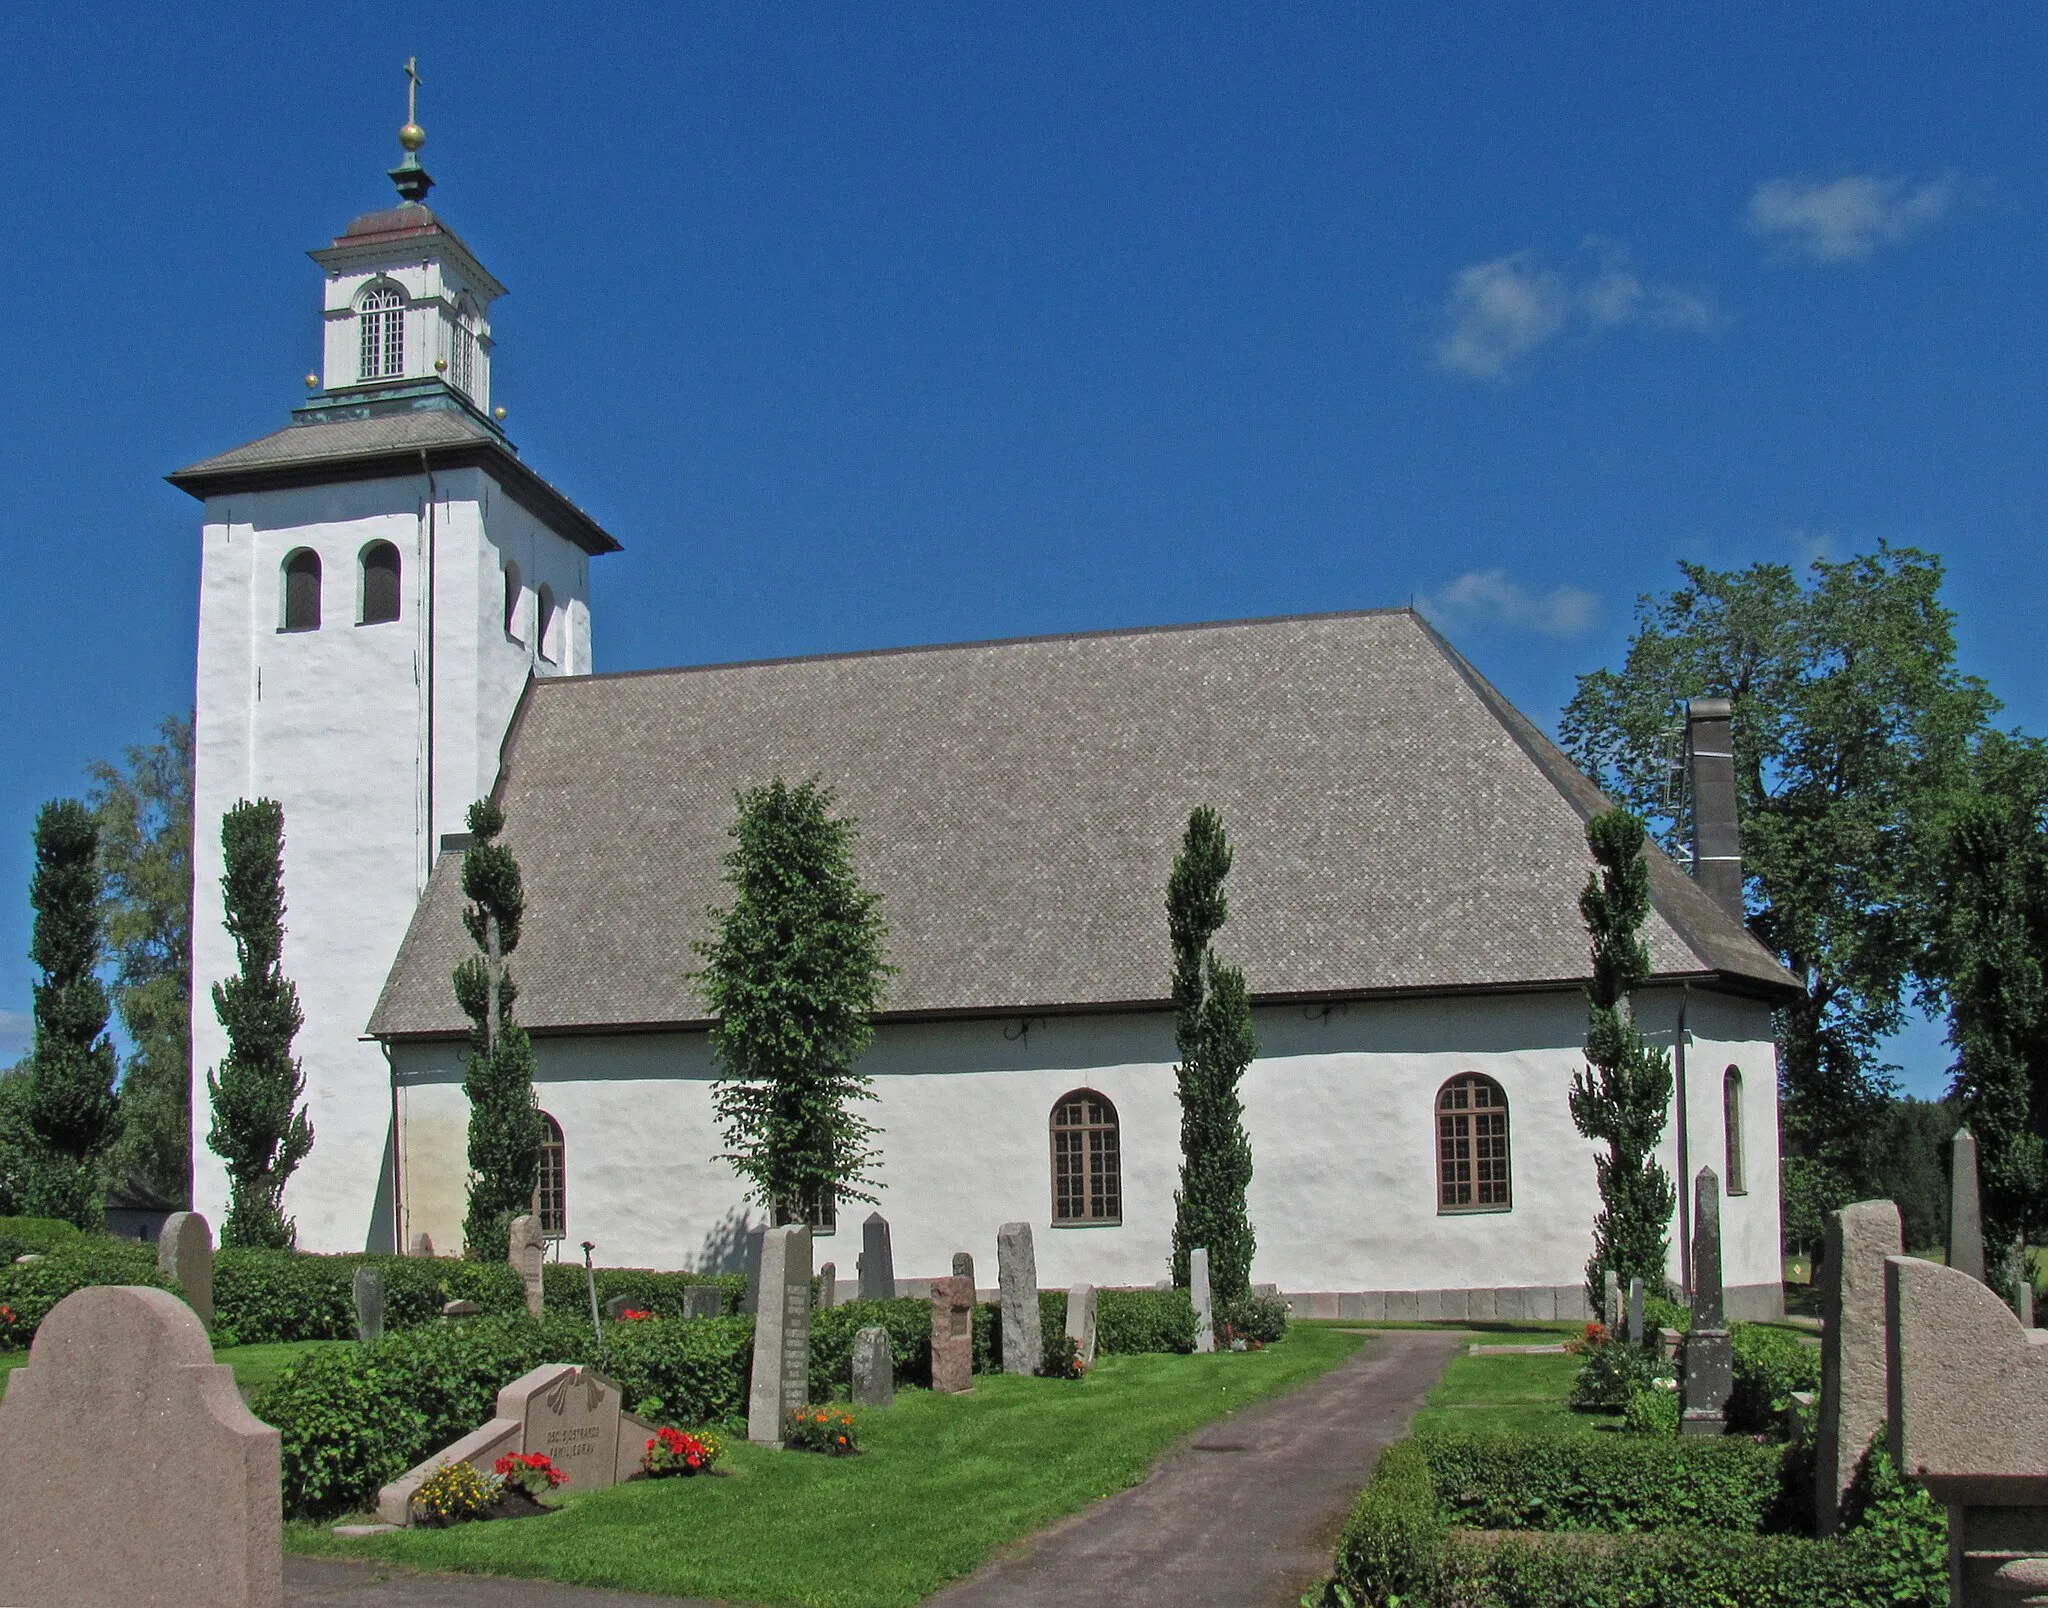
(1399, 826)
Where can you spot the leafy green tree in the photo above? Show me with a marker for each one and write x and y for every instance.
(1213, 1033)
(144, 809)
(70, 1108)
(17, 1144)
(794, 976)
(1990, 941)
(505, 1131)
(1624, 1095)
(1851, 721)
(259, 1128)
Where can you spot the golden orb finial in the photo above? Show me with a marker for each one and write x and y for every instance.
(412, 136)
(498, 414)
(312, 382)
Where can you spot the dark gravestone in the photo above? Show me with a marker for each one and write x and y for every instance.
(1709, 1362)
(877, 1260)
(369, 1294)
(874, 1369)
(963, 1267)
(751, 1301)
(828, 1287)
(618, 1306)
(703, 1301)
(1635, 1311)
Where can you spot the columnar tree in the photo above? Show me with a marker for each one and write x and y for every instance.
(1213, 1033)
(1991, 943)
(505, 1131)
(1624, 1096)
(794, 976)
(69, 1104)
(259, 1128)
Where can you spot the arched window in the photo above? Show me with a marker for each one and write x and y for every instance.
(551, 1194)
(1731, 1126)
(1087, 1160)
(302, 591)
(380, 583)
(381, 313)
(513, 593)
(544, 624)
(462, 340)
(1471, 1146)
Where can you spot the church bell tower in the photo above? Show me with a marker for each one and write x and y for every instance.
(378, 582)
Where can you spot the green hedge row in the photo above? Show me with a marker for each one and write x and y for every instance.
(1609, 1482)
(1770, 1364)
(1404, 1544)
(28, 1291)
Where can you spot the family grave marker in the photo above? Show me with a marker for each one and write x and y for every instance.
(1017, 1273)
(121, 1381)
(828, 1287)
(877, 1260)
(1198, 1292)
(1709, 1359)
(185, 1251)
(703, 1301)
(1854, 1375)
(1081, 1322)
(368, 1289)
(953, 1335)
(874, 1369)
(1635, 1311)
(782, 1333)
(528, 1253)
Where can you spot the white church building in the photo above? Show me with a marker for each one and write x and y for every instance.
(395, 620)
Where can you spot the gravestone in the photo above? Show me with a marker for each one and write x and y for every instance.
(185, 1251)
(963, 1266)
(130, 1470)
(1198, 1292)
(1853, 1370)
(527, 1251)
(782, 1333)
(703, 1301)
(459, 1309)
(1968, 1414)
(953, 1336)
(1610, 1308)
(1965, 1208)
(828, 1287)
(1017, 1273)
(1709, 1359)
(1081, 1322)
(877, 1260)
(874, 1369)
(751, 1301)
(616, 1307)
(573, 1416)
(369, 1294)
(1635, 1311)
(422, 1244)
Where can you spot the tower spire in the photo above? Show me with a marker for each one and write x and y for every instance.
(413, 181)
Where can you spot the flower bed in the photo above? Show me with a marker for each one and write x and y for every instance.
(829, 1430)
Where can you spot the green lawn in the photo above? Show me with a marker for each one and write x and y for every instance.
(255, 1366)
(944, 1481)
(1524, 1395)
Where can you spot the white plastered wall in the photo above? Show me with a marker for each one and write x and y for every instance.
(1339, 1109)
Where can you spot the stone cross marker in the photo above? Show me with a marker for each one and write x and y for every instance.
(750, 1302)
(963, 1266)
(1198, 1292)
(1965, 1208)
(1017, 1273)
(528, 1253)
(1635, 1311)
(782, 1333)
(1853, 1372)
(369, 1294)
(1969, 1419)
(185, 1251)
(122, 1381)
(828, 1287)
(1081, 1322)
(1610, 1309)
(877, 1260)
(703, 1301)
(1709, 1361)
(874, 1369)
(953, 1335)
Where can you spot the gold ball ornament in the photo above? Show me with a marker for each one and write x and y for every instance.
(312, 382)
(440, 365)
(412, 136)
(497, 413)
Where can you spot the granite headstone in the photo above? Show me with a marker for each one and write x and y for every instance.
(1709, 1360)
(1854, 1375)
(1635, 1311)
(527, 1251)
(953, 1336)
(1017, 1274)
(703, 1301)
(782, 1333)
(185, 1251)
(877, 1260)
(874, 1368)
(1965, 1208)
(368, 1289)
(828, 1287)
(1081, 1322)
(1610, 1307)
(1198, 1293)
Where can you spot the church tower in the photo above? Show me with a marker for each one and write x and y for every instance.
(379, 580)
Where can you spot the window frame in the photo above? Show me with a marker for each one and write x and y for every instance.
(554, 1164)
(1442, 1136)
(380, 333)
(1734, 1139)
(285, 623)
(370, 550)
(1092, 1178)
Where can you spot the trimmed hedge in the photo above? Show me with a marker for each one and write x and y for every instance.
(909, 1323)
(1127, 1322)
(1608, 1482)
(1770, 1364)
(35, 1236)
(29, 1291)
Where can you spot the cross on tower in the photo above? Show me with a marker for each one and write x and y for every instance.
(412, 89)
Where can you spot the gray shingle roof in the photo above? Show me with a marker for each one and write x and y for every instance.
(386, 444)
(1398, 825)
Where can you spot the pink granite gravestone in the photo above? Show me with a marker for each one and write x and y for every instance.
(953, 1335)
(130, 1471)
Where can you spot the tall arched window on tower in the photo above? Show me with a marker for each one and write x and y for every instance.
(514, 593)
(301, 591)
(551, 1193)
(1471, 1145)
(462, 343)
(380, 583)
(1731, 1124)
(381, 313)
(544, 632)
(1087, 1160)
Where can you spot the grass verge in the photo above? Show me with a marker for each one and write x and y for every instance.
(944, 1481)
(1521, 1395)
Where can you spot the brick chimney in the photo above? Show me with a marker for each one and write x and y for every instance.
(1716, 829)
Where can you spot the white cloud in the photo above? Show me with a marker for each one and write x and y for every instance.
(1493, 597)
(1840, 220)
(16, 1029)
(1499, 312)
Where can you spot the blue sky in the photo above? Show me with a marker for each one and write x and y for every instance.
(926, 322)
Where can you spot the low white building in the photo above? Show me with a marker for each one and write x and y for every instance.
(1410, 852)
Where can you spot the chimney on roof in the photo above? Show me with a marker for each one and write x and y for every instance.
(1716, 828)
